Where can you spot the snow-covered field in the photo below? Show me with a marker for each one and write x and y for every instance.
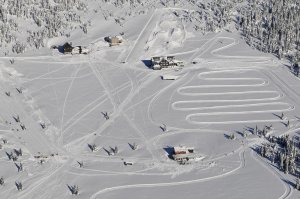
(229, 88)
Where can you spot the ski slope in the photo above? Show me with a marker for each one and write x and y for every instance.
(230, 88)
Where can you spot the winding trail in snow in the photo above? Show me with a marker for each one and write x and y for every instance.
(242, 165)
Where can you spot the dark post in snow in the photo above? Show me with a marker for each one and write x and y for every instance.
(105, 115)
(93, 147)
(163, 127)
(282, 116)
(80, 164)
(1, 181)
(7, 93)
(19, 185)
(43, 125)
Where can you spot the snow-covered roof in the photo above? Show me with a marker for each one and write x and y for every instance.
(182, 148)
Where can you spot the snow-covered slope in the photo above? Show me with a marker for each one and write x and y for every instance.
(77, 118)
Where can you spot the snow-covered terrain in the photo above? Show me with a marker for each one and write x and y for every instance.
(68, 113)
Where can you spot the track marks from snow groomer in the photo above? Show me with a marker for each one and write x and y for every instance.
(231, 96)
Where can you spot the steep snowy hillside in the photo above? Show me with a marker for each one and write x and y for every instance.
(270, 27)
(29, 24)
(273, 27)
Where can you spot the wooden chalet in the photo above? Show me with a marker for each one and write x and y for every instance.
(114, 41)
(184, 154)
(67, 48)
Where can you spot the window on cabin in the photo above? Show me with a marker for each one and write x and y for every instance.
(191, 150)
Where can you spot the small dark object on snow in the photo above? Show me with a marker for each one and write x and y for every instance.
(128, 163)
(93, 147)
(105, 114)
(17, 118)
(43, 125)
(19, 167)
(9, 155)
(74, 189)
(19, 90)
(23, 127)
(1, 181)
(8, 94)
(15, 158)
(133, 146)
(18, 152)
(163, 128)
(80, 164)
(19, 185)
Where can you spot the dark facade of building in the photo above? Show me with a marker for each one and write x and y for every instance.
(67, 47)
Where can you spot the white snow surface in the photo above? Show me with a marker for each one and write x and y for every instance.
(231, 87)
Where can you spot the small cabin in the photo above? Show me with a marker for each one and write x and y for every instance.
(183, 150)
(114, 41)
(67, 48)
(184, 154)
(169, 77)
(126, 163)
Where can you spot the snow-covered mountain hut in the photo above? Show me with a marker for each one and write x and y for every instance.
(67, 48)
(184, 154)
(114, 41)
(80, 50)
(165, 62)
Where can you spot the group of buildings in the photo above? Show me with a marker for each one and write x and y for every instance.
(67, 48)
(161, 62)
(157, 62)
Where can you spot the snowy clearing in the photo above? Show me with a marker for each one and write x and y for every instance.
(107, 123)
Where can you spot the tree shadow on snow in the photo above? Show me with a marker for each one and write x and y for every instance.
(269, 162)
(18, 167)
(8, 155)
(250, 129)
(279, 116)
(289, 182)
(255, 148)
(239, 133)
(70, 188)
(162, 128)
(285, 124)
(288, 66)
(131, 146)
(107, 151)
(226, 136)
(91, 147)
